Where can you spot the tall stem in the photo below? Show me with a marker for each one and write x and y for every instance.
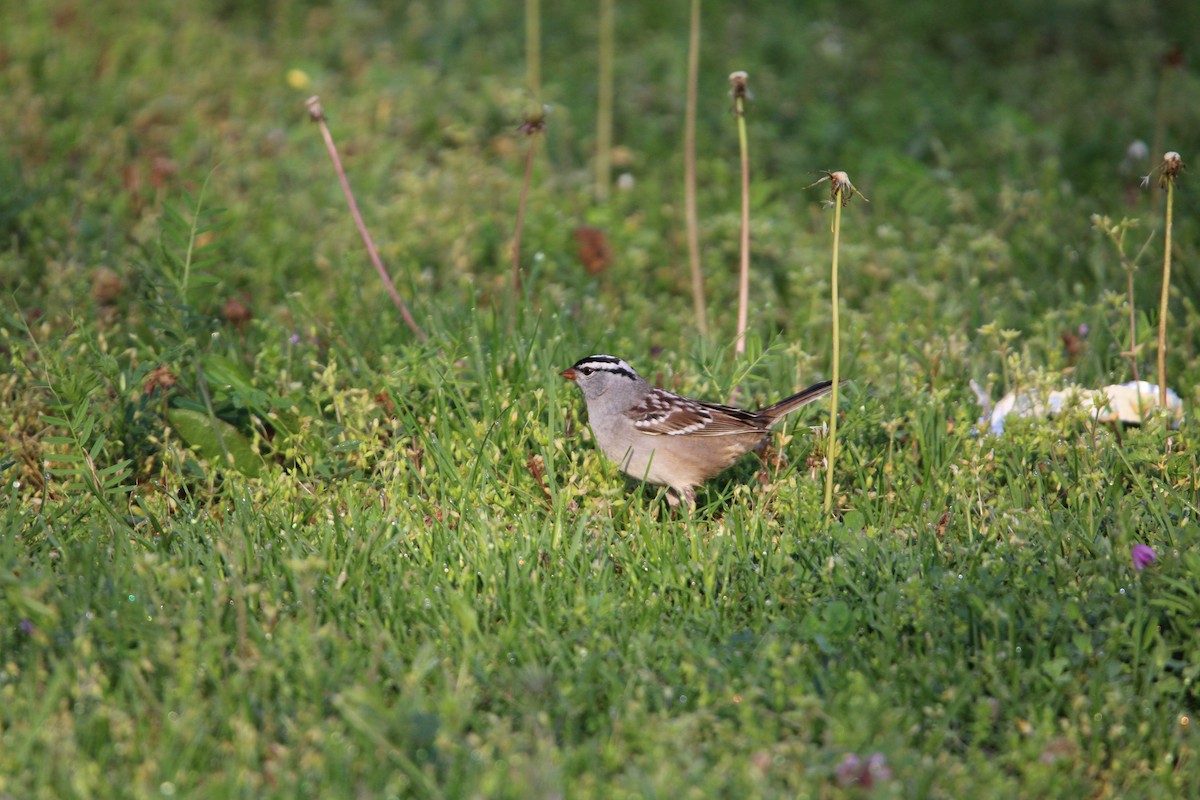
(744, 272)
(318, 116)
(604, 110)
(831, 449)
(689, 171)
(516, 248)
(533, 46)
(1133, 349)
(1162, 303)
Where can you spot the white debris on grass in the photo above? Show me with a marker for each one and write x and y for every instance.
(1131, 403)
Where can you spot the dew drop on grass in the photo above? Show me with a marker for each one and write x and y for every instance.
(1122, 590)
(132, 598)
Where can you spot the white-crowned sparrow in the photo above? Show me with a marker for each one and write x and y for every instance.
(662, 438)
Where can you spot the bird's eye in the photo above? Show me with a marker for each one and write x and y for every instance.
(586, 370)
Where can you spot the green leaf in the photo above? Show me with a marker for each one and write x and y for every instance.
(1055, 667)
(65, 458)
(222, 371)
(215, 440)
(97, 446)
(229, 376)
(86, 422)
(113, 469)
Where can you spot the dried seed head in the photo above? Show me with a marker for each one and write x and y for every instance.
(535, 121)
(315, 112)
(1171, 168)
(738, 90)
(840, 187)
(840, 181)
(1172, 164)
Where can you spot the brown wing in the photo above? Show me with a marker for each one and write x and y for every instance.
(663, 413)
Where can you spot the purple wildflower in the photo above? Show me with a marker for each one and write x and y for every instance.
(848, 771)
(1143, 555)
(853, 771)
(877, 768)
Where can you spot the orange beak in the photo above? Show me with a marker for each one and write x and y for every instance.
(569, 374)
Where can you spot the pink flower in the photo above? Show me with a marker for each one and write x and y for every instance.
(1143, 555)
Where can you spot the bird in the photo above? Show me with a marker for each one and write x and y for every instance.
(666, 439)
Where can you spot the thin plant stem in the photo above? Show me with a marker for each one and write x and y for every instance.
(193, 234)
(841, 191)
(317, 114)
(739, 106)
(831, 449)
(689, 171)
(604, 108)
(520, 224)
(533, 46)
(1132, 327)
(1139, 630)
(1116, 235)
(1162, 303)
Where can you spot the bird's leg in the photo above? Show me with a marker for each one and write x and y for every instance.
(687, 496)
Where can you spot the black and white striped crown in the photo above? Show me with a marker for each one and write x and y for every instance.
(603, 363)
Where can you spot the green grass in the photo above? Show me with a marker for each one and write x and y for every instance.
(303, 554)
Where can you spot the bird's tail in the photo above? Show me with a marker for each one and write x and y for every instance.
(786, 406)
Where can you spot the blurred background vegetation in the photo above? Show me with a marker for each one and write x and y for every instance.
(984, 137)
